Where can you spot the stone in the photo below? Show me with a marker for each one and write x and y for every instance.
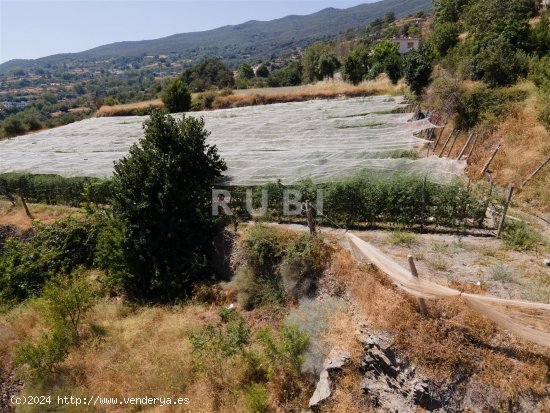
(336, 359)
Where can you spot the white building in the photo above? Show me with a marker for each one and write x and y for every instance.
(406, 44)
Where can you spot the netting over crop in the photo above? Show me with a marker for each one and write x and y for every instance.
(320, 139)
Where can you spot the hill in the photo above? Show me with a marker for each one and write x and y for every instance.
(253, 40)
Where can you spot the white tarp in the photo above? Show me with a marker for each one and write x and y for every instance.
(319, 139)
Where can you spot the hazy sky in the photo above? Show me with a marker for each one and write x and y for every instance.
(31, 29)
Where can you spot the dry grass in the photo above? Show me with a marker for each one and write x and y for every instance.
(526, 144)
(128, 109)
(264, 96)
(452, 338)
(46, 214)
(320, 90)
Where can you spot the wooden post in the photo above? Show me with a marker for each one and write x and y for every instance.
(536, 171)
(447, 142)
(505, 211)
(465, 146)
(439, 137)
(25, 206)
(472, 148)
(310, 220)
(414, 272)
(486, 166)
(453, 144)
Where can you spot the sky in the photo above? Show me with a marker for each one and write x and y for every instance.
(32, 29)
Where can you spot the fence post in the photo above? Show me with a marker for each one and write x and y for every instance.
(414, 272)
(472, 148)
(447, 142)
(453, 144)
(465, 146)
(439, 137)
(486, 166)
(310, 220)
(505, 211)
(535, 172)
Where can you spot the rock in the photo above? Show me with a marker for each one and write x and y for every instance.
(322, 391)
(547, 262)
(391, 382)
(336, 359)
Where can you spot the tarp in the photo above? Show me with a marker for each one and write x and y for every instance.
(526, 319)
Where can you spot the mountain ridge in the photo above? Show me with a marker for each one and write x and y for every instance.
(251, 40)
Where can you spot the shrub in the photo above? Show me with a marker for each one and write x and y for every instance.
(108, 256)
(444, 37)
(39, 360)
(518, 236)
(176, 97)
(403, 238)
(540, 73)
(544, 116)
(55, 189)
(257, 290)
(65, 302)
(500, 272)
(306, 258)
(263, 248)
(162, 196)
(257, 398)
(55, 249)
(418, 69)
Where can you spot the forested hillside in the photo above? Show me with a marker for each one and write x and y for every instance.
(253, 40)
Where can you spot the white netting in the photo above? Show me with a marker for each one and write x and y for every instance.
(319, 139)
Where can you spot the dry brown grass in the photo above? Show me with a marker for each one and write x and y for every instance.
(320, 90)
(526, 144)
(452, 337)
(46, 214)
(264, 96)
(129, 109)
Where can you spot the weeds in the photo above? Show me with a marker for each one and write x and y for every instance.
(502, 273)
(403, 238)
(520, 237)
(438, 263)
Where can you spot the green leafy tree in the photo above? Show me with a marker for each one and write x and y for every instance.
(208, 74)
(176, 97)
(449, 10)
(540, 74)
(418, 69)
(246, 71)
(162, 196)
(262, 71)
(541, 34)
(386, 58)
(356, 65)
(444, 37)
(290, 75)
(319, 61)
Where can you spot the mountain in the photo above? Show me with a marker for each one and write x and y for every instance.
(253, 40)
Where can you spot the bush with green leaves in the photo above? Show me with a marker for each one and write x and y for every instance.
(64, 303)
(544, 116)
(356, 65)
(290, 75)
(519, 236)
(55, 189)
(176, 96)
(385, 58)
(55, 249)
(162, 197)
(444, 37)
(539, 73)
(319, 61)
(417, 69)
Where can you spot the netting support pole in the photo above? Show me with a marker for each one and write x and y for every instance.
(414, 272)
(505, 211)
(447, 142)
(488, 163)
(310, 220)
(465, 146)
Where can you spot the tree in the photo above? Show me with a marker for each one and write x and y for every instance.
(176, 97)
(162, 196)
(262, 71)
(444, 37)
(418, 69)
(290, 75)
(541, 34)
(386, 58)
(246, 71)
(356, 65)
(319, 61)
(207, 74)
